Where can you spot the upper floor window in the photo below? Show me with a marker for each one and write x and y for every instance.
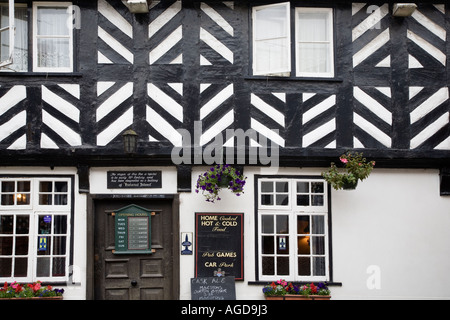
(51, 46)
(273, 35)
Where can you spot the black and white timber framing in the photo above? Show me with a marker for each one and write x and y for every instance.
(188, 61)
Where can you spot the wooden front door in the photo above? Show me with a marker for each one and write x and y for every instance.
(135, 276)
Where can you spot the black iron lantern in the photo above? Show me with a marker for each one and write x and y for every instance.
(130, 141)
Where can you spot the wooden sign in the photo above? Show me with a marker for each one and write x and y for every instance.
(219, 249)
(134, 179)
(133, 230)
(213, 288)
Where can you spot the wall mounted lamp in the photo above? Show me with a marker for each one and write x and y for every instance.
(403, 9)
(137, 6)
(130, 138)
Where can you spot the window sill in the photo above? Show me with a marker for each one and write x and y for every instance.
(278, 78)
(40, 74)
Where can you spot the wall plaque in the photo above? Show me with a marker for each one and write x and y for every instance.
(134, 179)
(219, 250)
(133, 230)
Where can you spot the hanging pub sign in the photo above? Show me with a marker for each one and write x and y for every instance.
(133, 230)
(219, 250)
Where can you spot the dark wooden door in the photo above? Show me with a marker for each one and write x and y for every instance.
(135, 276)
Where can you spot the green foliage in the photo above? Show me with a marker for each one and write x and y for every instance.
(357, 168)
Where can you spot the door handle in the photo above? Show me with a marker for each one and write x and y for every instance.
(134, 283)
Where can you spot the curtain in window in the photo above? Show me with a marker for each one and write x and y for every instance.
(20, 57)
(53, 38)
(314, 42)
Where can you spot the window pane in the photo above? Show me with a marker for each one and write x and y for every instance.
(304, 266)
(314, 57)
(282, 187)
(282, 199)
(52, 21)
(23, 199)
(303, 224)
(271, 22)
(304, 245)
(7, 200)
(318, 224)
(60, 186)
(60, 199)
(22, 246)
(313, 26)
(266, 186)
(53, 53)
(283, 266)
(268, 266)
(59, 267)
(319, 266)
(8, 186)
(5, 267)
(22, 224)
(45, 199)
(45, 224)
(267, 224)
(59, 245)
(317, 201)
(21, 267)
(44, 244)
(267, 200)
(283, 245)
(318, 245)
(282, 224)
(302, 187)
(43, 267)
(6, 245)
(303, 200)
(268, 245)
(60, 225)
(317, 187)
(6, 224)
(45, 186)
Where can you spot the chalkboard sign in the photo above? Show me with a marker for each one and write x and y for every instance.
(219, 247)
(133, 230)
(134, 179)
(213, 288)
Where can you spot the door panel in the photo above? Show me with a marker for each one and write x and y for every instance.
(134, 276)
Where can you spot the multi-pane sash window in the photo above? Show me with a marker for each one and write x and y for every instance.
(293, 229)
(51, 45)
(34, 229)
(313, 35)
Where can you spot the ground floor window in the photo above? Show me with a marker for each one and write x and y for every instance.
(293, 229)
(35, 219)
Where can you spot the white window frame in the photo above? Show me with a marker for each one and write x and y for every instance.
(329, 12)
(288, 71)
(293, 211)
(12, 29)
(34, 211)
(287, 54)
(68, 6)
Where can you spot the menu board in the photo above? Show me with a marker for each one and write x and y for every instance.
(213, 288)
(133, 231)
(219, 250)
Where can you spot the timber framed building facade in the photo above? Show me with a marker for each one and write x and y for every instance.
(339, 76)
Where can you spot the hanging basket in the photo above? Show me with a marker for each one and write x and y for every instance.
(350, 185)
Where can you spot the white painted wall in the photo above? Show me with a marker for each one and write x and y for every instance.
(394, 225)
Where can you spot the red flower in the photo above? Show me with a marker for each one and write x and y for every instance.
(5, 286)
(313, 288)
